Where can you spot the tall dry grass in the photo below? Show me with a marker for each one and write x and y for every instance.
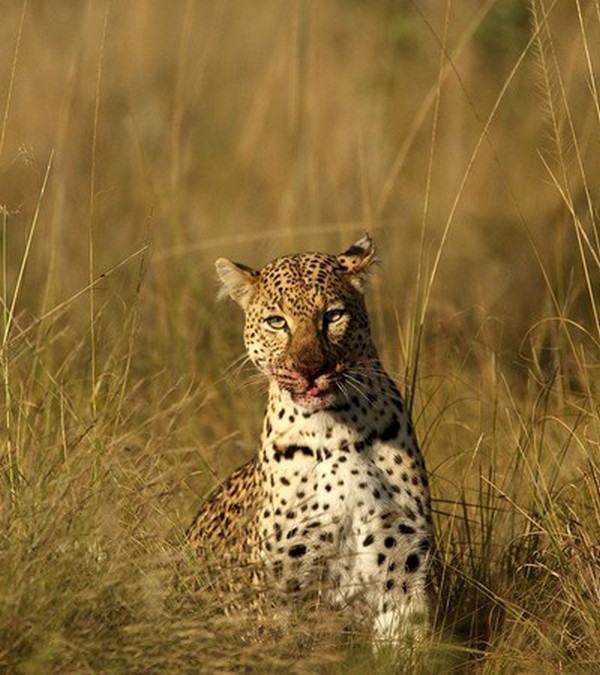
(139, 141)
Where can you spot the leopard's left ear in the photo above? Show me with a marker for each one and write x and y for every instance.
(358, 260)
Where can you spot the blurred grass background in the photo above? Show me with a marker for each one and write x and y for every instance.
(141, 140)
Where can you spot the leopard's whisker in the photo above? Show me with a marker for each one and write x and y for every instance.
(356, 386)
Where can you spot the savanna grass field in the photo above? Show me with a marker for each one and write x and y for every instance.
(141, 140)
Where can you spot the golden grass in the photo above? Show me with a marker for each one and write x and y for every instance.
(141, 140)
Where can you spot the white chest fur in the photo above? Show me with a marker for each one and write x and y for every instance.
(346, 499)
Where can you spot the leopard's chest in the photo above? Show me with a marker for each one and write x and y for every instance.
(327, 489)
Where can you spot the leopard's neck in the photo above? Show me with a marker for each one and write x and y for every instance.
(369, 409)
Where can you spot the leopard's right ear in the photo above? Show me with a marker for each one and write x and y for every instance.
(237, 281)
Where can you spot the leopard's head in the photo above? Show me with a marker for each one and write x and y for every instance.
(307, 327)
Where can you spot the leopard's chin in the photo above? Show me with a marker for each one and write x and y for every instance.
(314, 399)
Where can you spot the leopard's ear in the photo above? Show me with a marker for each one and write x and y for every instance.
(358, 260)
(237, 281)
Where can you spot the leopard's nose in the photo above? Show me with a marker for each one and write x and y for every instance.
(308, 355)
(311, 369)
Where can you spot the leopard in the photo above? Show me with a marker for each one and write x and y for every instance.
(335, 504)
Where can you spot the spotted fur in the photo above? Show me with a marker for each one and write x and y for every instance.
(336, 502)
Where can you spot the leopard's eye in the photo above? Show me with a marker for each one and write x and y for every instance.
(276, 322)
(333, 315)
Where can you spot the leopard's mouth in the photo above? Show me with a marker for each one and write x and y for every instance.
(315, 395)
(312, 393)
(313, 398)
